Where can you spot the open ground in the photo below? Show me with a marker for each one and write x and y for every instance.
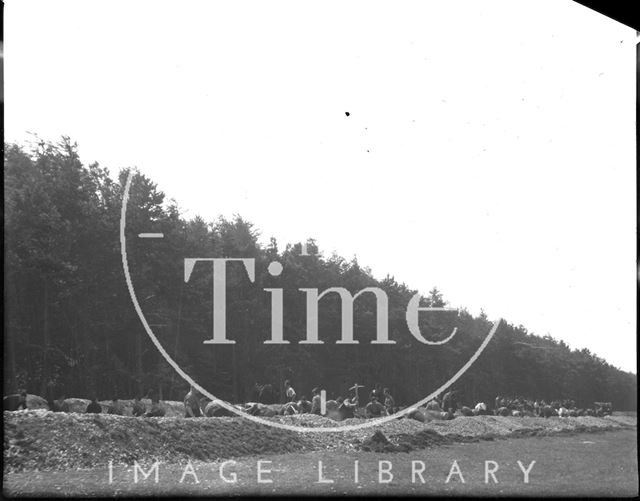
(582, 464)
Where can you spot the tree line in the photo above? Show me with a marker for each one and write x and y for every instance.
(71, 328)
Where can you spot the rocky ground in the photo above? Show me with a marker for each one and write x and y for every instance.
(42, 440)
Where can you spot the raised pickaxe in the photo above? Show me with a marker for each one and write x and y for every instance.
(355, 387)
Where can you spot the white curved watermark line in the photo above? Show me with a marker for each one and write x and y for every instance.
(301, 429)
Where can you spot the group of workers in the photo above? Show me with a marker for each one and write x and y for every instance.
(380, 403)
(519, 406)
(540, 408)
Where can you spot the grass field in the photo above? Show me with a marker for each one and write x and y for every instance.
(583, 464)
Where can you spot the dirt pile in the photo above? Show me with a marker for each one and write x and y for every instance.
(624, 419)
(378, 443)
(425, 439)
(480, 426)
(405, 442)
(39, 439)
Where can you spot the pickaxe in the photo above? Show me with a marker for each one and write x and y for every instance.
(355, 387)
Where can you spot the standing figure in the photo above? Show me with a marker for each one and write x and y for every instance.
(449, 401)
(289, 392)
(376, 392)
(254, 394)
(315, 401)
(192, 404)
(389, 402)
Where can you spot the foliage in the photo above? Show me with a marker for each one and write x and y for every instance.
(72, 328)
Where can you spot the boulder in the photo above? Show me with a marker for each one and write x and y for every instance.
(214, 409)
(503, 411)
(79, 404)
(466, 411)
(548, 411)
(33, 402)
(416, 414)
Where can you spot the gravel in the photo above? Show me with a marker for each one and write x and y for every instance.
(43, 440)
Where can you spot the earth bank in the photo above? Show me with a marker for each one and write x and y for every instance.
(43, 440)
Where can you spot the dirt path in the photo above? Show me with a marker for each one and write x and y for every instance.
(603, 464)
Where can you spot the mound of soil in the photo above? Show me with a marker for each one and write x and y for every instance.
(480, 426)
(628, 419)
(378, 443)
(405, 442)
(43, 440)
(423, 440)
(40, 439)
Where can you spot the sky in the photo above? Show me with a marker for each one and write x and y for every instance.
(488, 150)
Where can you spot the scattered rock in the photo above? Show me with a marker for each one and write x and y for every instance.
(44, 440)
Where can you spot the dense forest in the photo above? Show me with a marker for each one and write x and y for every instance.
(71, 328)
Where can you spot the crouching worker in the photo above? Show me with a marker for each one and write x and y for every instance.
(94, 407)
(374, 409)
(348, 408)
(157, 410)
(15, 402)
(480, 409)
(289, 409)
(192, 404)
(59, 405)
(290, 393)
(304, 406)
(138, 407)
(116, 408)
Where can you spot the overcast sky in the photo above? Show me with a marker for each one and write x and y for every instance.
(489, 148)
